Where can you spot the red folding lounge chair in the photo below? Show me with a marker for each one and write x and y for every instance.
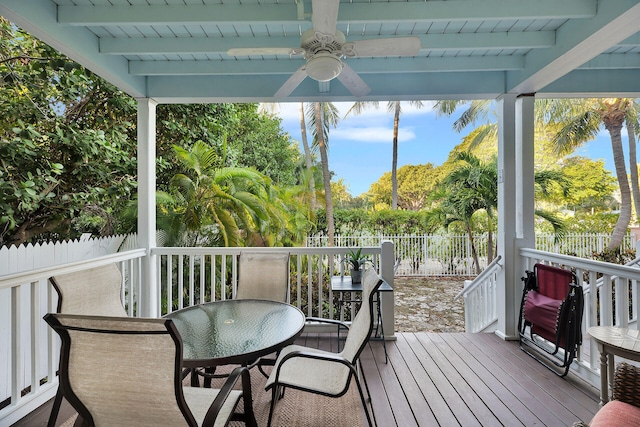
(551, 317)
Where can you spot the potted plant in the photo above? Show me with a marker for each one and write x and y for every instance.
(356, 260)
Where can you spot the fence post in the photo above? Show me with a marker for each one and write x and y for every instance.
(387, 299)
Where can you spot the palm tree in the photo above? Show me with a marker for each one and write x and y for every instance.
(322, 116)
(307, 157)
(580, 121)
(394, 107)
(472, 186)
(218, 202)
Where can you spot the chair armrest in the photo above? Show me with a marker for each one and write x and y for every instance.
(328, 357)
(626, 384)
(329, 321)
(238, 373)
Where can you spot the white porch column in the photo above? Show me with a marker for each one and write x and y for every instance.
(506, 214)
(149, 305)
(525, 165)
(515, 203)
(387, 299)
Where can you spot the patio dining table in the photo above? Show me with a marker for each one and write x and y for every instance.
(235, 331)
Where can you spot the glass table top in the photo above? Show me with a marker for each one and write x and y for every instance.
(235, 331)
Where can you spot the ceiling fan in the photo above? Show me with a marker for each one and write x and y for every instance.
(324, 47)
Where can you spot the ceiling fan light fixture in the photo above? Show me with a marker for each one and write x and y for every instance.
(324, 67)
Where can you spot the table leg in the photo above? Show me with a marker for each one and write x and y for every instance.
(381, 325)
(604, 381)
(195, 382)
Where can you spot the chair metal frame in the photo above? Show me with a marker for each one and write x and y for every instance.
(142, 330)
(74, 297)
(371, 284)
(554, 287)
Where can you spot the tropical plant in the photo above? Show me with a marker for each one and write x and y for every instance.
(355, 259)
(214, 204)
(579, 120)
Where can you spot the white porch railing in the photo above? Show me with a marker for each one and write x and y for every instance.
(480, 299)
(29, 349)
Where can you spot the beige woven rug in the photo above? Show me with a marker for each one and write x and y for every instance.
(298, 408)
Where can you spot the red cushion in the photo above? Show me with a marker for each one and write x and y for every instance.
(618, 414)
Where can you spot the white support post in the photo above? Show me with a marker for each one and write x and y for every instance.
(148, 301)
(387, 298)
(507, 213)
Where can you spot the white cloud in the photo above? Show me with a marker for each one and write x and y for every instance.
(372, 134)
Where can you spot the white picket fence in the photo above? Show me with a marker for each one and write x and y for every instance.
(450, 255)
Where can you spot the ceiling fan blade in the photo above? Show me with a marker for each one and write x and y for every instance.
(324, 15)
(291, 83)
(353, 82)
(246, 51)
(396, 46)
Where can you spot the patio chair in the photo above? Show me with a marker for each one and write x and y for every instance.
(263, 276)
(324, 372)
(118, 371)
(551, 317)
(95, 291)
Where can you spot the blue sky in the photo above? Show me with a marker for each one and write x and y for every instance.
(360, 147)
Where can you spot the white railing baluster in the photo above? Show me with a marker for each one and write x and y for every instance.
(191, 281)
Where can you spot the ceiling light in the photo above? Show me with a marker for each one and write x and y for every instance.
(324, 66)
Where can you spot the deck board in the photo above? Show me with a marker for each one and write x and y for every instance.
(454, 379)
(471, 379)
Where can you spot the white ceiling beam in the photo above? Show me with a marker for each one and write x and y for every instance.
(200, 89)
(577, 43)
(220, 45)
(361, 66)
(453, 10)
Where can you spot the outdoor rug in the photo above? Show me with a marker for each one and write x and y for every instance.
(296, 408)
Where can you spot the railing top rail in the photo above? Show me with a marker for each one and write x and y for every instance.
(237, 250)
(491, 268)
(587, 264)
(13, 279)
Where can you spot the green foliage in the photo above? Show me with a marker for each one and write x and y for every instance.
(68, 147)
(66, 165)
(415, 183)
(363, 221)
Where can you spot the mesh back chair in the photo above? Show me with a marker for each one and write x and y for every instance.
(263, 276)
(118, 371)
(551, 317)
(96, 292)
(323, 372)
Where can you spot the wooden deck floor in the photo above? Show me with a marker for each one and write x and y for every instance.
(469, 380)
(454, 379)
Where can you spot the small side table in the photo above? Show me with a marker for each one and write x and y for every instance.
(342, 285)
(612, 341)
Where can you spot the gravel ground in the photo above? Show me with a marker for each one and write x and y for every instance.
(426, 304)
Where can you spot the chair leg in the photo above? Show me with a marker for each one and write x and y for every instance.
(364, 402)
(274, 393)
(57, 402)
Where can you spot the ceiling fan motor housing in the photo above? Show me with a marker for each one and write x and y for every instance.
(323, 52)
